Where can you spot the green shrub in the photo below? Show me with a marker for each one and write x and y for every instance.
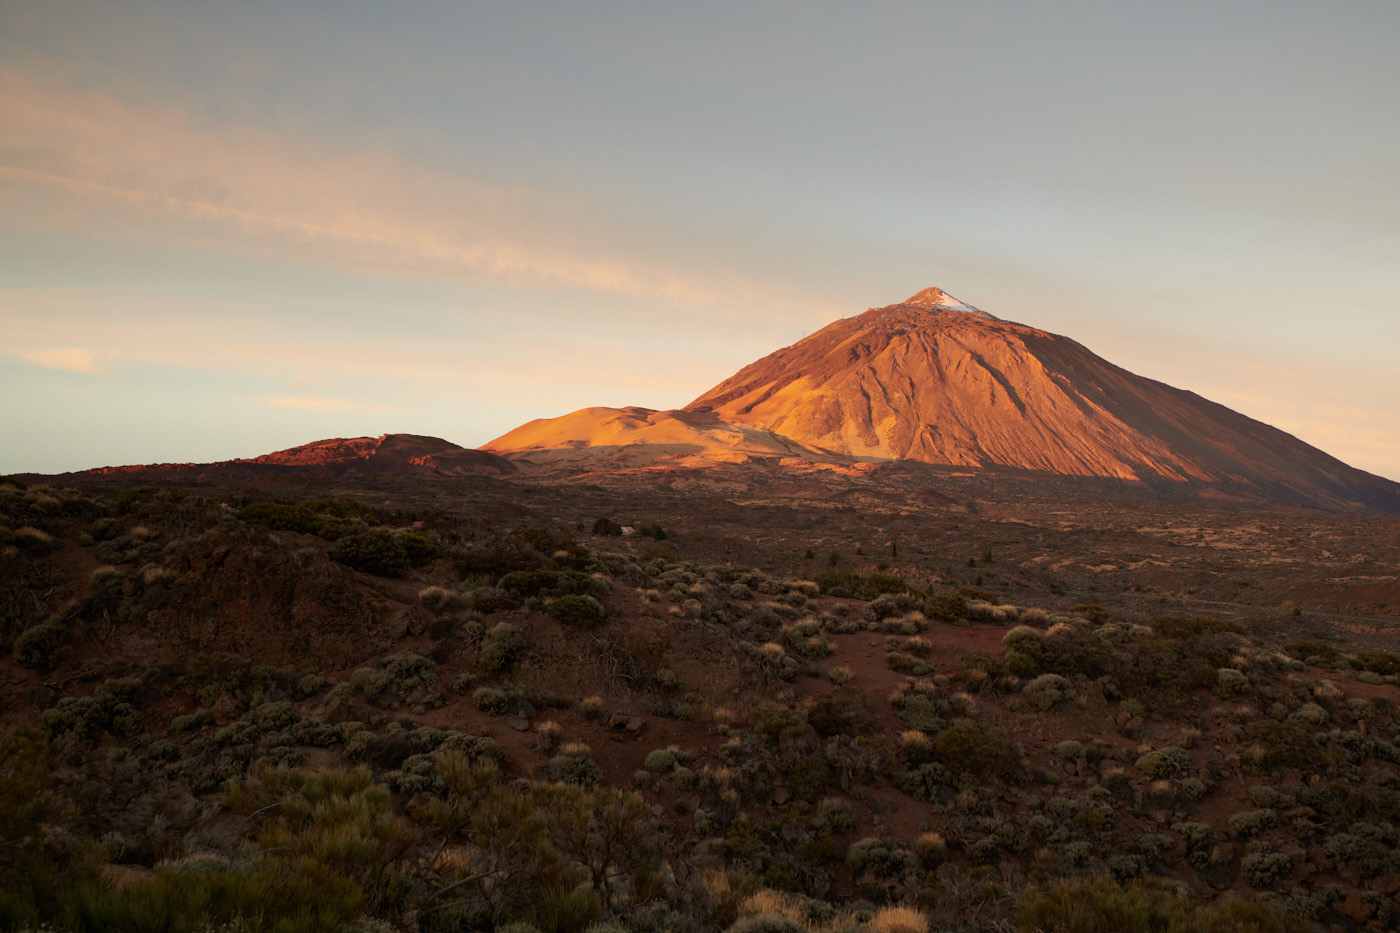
(1271, 798)
(41, 648)
(606, 527)
(492, 701)
(661, 759)
(765, 923)
(87, 716)
(1048, 690)
(984, 673)
(283, 516)
(949, 608)
(921, 711)
(1302, 650)
(420, 548)
(374, 684)
(1165, 762)
(1166, 669)
(311, 684)
(1344, 847)
(501, 647)
(875, 858)
(1381, 662)
(378, 552)
(575, 768)
(1230, 682)
(582, 612)
(1091, 905)
(411, 670)
(969, 748)
(1024, 651)
(1250, 823)
(552, 583)
(1265, 869)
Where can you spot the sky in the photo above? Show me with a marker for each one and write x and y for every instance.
(232, 228)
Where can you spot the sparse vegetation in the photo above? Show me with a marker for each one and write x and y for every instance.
(1059, 759)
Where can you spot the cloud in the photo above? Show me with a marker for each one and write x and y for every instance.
(363, 210)
(322, 403)
(83, 360)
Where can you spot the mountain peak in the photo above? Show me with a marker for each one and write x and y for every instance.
(940, 300)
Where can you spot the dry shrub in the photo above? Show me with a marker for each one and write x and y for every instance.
(773, 903)
(898, 920)
(840, 676)
(1327, 690)
(1037, 618)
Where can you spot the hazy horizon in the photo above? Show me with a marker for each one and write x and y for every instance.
(229, 230)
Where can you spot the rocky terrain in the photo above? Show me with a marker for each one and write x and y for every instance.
(735, 699)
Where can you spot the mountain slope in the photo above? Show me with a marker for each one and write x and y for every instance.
(935, 380)
(384, 454)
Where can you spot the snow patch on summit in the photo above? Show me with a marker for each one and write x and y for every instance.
(940, 300)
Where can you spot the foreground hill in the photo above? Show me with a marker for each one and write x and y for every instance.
(222, 714)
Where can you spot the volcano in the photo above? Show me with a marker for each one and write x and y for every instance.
(935, 380)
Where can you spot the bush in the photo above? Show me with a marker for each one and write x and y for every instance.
(283, 517)
(606, 527)
(1082, 906)
(1250, 823)
(920, 711)
(1381, 662)
(1271, 798)
(34, 542)
(765, 923)
(437, 599)
(1024, 651)
(1230, 682)
(492, 701)
(411, 670)
(968, 748)
(982, 672)
(1048, 690)
(835, 816)
(875, 858)
(931, 850)
(374, 684)
(377, 552)
(419, 548)
(501, 647)
(41, 647)
(575, 767)
(1165, 762)
(1265, 869)
(950, 608)
(87, 716)
(582, 612)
